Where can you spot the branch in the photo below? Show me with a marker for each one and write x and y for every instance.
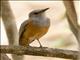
(37, 51)
(9, 22)
(4, 57)
(72, 19)
(8, 19)
(72, 16)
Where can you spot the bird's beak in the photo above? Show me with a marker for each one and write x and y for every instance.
(43, 10)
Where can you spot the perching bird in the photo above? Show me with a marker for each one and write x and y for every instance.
(34, 28)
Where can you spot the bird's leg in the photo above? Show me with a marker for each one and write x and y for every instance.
(39, 43)
(28, 45)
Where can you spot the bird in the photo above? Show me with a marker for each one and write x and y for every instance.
(35, 27)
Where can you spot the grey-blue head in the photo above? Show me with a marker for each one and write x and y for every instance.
(37, 13)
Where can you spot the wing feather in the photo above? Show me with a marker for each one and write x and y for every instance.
(22, 28)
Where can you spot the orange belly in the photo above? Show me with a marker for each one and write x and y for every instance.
(31, 33)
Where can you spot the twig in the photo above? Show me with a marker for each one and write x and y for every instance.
(37, 51)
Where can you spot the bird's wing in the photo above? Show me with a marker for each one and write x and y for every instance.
(22, 28)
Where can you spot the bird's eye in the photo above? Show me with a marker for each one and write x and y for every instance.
(35, 13)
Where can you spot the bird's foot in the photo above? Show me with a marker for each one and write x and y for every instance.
(29, 46)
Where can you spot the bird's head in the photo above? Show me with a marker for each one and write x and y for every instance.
(37, 13)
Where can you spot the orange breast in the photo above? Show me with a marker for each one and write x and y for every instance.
(34, 30)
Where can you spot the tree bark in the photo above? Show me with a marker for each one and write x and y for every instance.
(37, 51)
